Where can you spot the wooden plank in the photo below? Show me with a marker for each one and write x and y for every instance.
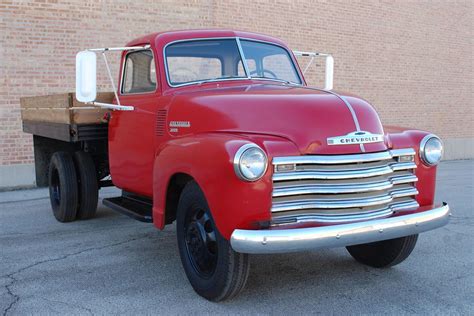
(54, 115)
(56, 109)
(88, 116)
(49, 130)
(104, 97)
(47, 101)
(62, 100)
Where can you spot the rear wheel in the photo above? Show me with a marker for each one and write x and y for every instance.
(384, 253)
(214, 269)
(87, 184)
(63, 190)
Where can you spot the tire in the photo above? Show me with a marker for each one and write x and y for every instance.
(385, 253)
(63, 192)
(214, 269)
(88, 185)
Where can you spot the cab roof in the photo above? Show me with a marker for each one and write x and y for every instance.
(163, 38)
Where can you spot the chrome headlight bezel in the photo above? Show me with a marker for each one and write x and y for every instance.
(243, 150)
(424, 155)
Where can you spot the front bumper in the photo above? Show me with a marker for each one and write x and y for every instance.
(300, 239)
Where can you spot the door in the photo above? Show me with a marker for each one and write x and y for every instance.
(131, 133)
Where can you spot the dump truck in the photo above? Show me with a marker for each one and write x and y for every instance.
(219, 132)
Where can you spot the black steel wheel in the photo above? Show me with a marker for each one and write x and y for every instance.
(201, 244)
(214, 269)
(63, 190)
(386, 253)
(88, 185)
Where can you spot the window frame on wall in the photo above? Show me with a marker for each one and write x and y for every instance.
(124, 68)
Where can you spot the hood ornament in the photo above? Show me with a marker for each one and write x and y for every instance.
(358, 137)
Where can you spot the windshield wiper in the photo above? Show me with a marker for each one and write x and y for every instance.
(218, 78)
(275, 79)
(232, 77)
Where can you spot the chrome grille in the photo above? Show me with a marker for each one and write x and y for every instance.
(343, 188)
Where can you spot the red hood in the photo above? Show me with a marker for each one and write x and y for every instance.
(305, 116)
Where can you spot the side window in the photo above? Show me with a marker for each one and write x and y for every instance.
(139, 72)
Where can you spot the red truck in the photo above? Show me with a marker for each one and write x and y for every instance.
(218, 131)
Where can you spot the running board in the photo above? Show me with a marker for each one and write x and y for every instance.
(131, 205)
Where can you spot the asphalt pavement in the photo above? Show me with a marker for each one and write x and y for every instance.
(115, 265)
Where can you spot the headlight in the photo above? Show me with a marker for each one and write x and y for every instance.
(431, 150)
(250, 162)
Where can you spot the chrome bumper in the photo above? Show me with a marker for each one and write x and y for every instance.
(299, 239)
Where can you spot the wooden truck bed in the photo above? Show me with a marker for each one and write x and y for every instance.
(62, 117)
(60, 123)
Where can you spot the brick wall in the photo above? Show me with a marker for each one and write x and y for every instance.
(411, 59)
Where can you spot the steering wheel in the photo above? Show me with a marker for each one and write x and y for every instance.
(271, 73)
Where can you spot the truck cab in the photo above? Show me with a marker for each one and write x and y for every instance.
(218, 131)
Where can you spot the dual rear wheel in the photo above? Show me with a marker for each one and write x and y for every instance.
(73, 186)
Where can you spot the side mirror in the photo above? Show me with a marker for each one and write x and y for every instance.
(329, 73)
(86, 76)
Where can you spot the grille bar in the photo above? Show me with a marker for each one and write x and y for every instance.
(344, 174)
(338, 202)
(382, 212)
(337, 188)
(341, 159)
(345, 187)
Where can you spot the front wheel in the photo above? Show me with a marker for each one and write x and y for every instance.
(214, 269)
(384, 253)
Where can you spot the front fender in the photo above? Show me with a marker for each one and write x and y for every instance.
(208, 159)
(406, 138)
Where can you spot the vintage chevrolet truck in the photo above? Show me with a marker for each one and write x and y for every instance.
(218, 131)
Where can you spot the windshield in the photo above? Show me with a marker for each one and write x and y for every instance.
(197, 61)
(270, 61)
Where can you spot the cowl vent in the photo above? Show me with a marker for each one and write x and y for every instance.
(161, 122)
